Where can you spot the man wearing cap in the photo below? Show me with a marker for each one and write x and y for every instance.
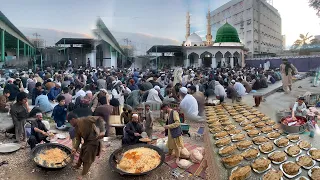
(91, 129)
(299, 108)
(54, 92)
(132, 131)
(162, 80)
(189, 104)
(39, 132)
(240, 89)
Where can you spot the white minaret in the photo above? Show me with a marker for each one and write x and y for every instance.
(209, 35)
(188, 26)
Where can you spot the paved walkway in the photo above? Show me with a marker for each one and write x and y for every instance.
(281, 101)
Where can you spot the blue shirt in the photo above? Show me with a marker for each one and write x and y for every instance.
(44, 104)
(53, 93)
(59, 113)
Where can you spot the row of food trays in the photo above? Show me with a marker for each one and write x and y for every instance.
(266, 134)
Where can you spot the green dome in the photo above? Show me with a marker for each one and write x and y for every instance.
(227, 33)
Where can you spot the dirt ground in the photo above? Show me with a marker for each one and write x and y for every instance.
(21, 165)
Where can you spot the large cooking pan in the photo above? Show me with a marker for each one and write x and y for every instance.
(36, 151)
(294, 129)
(117, 154)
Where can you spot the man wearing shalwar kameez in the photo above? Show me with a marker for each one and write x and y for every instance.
(287, 70)
(91, 129)
(173, 129)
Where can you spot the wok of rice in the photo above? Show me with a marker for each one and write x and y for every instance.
(49, 157)
(139, 160)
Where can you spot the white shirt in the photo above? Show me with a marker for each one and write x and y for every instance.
(219, 90)
(241, 90)
(118, 96)
(80, 93)
(302, 108)
(189, 105)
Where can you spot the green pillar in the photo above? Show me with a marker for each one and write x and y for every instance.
(28, 51)
(18, 49)
(24, 50)
(2, 45)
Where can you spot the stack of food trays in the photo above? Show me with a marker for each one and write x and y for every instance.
(248, 140)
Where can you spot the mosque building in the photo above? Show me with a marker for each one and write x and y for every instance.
(225, 51)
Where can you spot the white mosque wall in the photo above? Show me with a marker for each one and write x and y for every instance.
(222, 55)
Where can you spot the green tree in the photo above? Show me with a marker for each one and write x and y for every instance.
(315, 4)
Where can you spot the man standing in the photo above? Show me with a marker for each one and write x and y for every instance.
(88, 63)
(173, 130)
(148, 121)
(19, 113)
(69, 65)
(91, 130)
(39, 132)
(104, 111)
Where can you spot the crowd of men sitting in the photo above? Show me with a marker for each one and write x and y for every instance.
(102, 92)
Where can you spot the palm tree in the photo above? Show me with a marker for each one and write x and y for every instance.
(302, 42)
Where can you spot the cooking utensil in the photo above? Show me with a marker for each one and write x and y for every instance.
(64, 160)
(116, 156)
(9, 147)
(294, 129)
(37, 150)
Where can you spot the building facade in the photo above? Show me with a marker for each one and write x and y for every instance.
(257, 22)
(15, 47)
(225, 51)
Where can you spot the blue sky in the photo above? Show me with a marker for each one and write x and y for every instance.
(161, 18)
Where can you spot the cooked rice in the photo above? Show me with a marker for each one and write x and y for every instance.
(50, 157)
(139, 160)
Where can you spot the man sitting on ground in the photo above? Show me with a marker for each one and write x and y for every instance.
(132, 132)
(39, 132)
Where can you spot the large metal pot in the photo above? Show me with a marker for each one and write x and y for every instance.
(117, 154)
(294, 129)
(37, 150)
